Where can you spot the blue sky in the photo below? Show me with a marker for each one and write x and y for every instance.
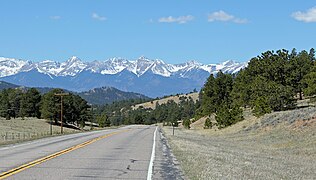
(209, 31)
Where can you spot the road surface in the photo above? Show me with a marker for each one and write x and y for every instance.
(124, 153)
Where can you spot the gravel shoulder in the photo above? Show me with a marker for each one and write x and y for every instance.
(166, 166)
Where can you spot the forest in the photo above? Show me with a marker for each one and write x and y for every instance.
(273, 81)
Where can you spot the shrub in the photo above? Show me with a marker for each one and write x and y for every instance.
(208, 124)
(186, 123)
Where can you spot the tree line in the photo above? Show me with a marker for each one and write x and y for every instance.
(122, 112)
(272, 81)
(30, 103)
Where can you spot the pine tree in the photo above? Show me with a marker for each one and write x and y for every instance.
(50, 105)
(30, 103)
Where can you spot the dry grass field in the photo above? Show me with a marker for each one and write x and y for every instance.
(16, 130)
(176, 99)
(279, 145)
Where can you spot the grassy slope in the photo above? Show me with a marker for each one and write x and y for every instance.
(26, 128)
(176, 99)
(276, 146)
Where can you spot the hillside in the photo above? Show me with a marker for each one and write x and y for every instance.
(176, 99)
(279, 145)
(96, 96)
(6, 85)
(107, 95)
(17, 130)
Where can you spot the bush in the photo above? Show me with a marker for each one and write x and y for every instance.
(103, 121)
(261, 107)
(208, 124)
(186, 123)
(226, 117)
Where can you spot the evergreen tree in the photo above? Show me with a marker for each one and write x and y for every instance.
(310, 81)
(227, 116)
(300, 65)
(5, 107)
(103, 120)
(207, 97)
(186, 123)
(30, 103)
(51, 105)
(208, 124)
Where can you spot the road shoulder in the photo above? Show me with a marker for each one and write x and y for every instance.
(166, 165)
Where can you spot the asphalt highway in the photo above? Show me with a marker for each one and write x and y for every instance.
(124, 153)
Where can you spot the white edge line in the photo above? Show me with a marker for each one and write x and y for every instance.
(151, 163)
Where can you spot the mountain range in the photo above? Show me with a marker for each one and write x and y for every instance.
(153, 78)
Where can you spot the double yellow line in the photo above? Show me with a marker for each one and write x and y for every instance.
(46, 158)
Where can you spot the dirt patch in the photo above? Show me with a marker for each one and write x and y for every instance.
(299, 124)
(199, 124)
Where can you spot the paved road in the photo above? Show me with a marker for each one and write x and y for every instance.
(123, 153)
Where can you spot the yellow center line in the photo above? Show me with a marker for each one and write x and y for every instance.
(46, 158)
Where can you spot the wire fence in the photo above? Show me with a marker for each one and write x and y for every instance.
(21, 136)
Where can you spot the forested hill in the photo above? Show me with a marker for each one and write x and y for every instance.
(5, 85)
(97, 96)
(107, 95)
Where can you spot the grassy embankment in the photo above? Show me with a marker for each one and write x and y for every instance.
(17, 130)
(279, 145)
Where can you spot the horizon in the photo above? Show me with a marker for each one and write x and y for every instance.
(209, 32)
(130, 60)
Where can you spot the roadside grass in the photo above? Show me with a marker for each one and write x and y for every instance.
(17, 130)
(280, 145)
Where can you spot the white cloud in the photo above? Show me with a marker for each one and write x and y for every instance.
(55, 17)
(225, 17)
(98, 17)
(179, 20)
(308, 16)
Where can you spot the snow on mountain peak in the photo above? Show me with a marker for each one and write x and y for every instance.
(9, 66)
(193, 63)
(143, 58)
(228, 63)
(139, 67)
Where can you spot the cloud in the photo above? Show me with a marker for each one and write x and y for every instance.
(225, 17)
(308, 16)
(179, 20)
(98, 17)
(55, 17)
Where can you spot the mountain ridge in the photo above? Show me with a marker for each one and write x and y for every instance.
(74, 65)
(95, 96)
(153, 78)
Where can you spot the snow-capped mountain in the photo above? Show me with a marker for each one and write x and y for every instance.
(140, 75)
(74, 66)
